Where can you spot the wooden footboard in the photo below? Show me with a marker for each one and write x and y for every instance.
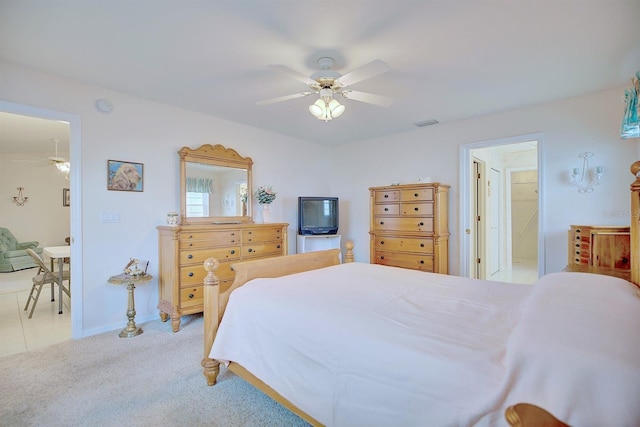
(215, 301)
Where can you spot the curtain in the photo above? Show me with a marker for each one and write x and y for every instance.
(199, 185)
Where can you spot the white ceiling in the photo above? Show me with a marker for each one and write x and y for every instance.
(449, 60)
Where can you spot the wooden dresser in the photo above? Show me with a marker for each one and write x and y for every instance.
(183, 249)
(409, 226)
(599, 249)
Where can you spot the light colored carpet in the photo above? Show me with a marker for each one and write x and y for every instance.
(149, 380)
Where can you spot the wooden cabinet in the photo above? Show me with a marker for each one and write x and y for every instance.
(183, 249)
(409, 226)
(601, 249)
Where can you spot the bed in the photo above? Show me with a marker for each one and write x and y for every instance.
(362, 344)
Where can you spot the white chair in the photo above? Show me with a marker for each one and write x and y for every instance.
(44, 276)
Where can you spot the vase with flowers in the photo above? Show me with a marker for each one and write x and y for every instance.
(265, 196)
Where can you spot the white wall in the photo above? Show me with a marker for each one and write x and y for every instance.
(42, 218)
(571, 126)
(150, 133)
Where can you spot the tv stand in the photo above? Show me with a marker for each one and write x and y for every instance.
(317, 242)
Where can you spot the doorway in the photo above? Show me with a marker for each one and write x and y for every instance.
(500, 209)
(75, 190)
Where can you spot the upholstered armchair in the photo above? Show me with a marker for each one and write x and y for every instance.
(13, 254)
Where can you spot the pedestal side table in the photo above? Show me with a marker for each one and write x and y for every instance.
(125, 279)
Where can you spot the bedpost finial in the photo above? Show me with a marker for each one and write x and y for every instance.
(211, 264)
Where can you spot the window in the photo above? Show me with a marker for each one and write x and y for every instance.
(197, 204)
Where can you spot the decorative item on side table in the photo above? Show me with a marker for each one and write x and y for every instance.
(172, 218)
(133, 275)
(265, 196)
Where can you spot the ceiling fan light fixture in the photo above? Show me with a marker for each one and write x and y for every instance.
(317, 108)
(336, 108)
(64, 167)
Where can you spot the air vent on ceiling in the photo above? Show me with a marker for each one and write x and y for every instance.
(426, 123)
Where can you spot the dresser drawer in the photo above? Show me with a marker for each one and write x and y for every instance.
(403, 260)
(387, 196)
(424, 225)
(195, 274)
(417, 209)
(199, 255)
(387, 209)
(407, 244)
(258, 250)
(210, 238)
(191, 296)
(416, 194)
(203, 244)
(267, 235)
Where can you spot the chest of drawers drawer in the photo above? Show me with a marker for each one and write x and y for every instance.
(209, 238)
(194, 275)
(386, 209)
(257, 250)
(197, 256)
(413, 194)
(249, 236)
(413, 261)
(404, 244)
(424, 225)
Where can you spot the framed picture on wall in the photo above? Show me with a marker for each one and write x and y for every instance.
(125, 176)
(66, 197)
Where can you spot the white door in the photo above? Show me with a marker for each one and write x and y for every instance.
(495, 190)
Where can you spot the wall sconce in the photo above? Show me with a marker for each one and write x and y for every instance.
(586, 178)
(20, 200)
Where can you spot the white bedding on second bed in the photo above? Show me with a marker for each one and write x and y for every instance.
(362, 344)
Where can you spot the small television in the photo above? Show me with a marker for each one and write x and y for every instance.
(317, 215)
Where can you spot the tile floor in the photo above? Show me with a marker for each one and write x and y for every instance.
(18, 333)
(523, 271)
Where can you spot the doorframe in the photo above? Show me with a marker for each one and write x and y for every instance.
(75, 187)
(465, 214)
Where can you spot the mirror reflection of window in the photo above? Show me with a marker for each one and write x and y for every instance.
(197, 204)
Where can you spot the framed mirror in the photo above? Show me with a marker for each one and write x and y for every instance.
(215, 185)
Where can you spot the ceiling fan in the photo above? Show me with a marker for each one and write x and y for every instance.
(329, 83)
(60, 163)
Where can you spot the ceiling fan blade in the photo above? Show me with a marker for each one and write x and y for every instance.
(370, 98)
(365, 72)
(293, 73)
(283, 98)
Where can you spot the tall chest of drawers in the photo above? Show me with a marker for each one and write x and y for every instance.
(183, 249)
(409, 226)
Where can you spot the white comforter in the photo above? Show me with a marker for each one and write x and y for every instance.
(368, 345)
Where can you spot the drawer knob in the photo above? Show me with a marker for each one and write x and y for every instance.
(577, 252)
(191, 296)
(382, 242)
(381, 256)
(191, 274)
(233, 234)
(381, 222)
(250, 250)
(415, 209)
(421, 261)
(190, 256)
(422, 245)
(190, 244)
(233, 251)
(577, 259)
(277, 246)
(577, 237)
(386, 196)
(421, 224)
(386, 209)
(577, 245)
(190, 236)
(415, 194)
